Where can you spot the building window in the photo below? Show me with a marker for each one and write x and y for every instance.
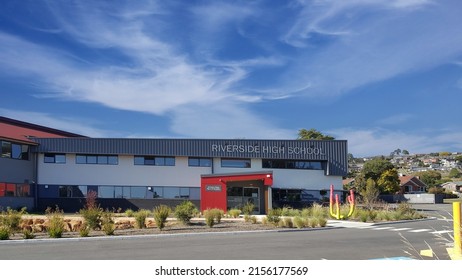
(97, 159)
(154, 160)
(16, 190)
(14, 150)
(199, 162)
(235, 163)
(292, 164)
(55, 158)
(72, 191)
(175, 193)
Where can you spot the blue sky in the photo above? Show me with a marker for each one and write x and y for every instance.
(382, 74)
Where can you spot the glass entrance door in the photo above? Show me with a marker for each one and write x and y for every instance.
(252, 195)
(237, 197)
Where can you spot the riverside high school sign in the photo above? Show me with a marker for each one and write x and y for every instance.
(267, 149)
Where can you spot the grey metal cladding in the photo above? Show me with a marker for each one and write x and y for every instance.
(332, 151)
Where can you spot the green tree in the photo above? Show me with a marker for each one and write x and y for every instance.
(405, 152)
(455, 173)
(370, 193)
(312, 134)
(458, 158)
(430, 178)
(374, 168)
(389, 182)
(382, 173)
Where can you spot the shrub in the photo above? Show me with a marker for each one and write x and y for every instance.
(318, 211)
(322, 222)
(313, 222)
(253, 219)
(289, 212)
(107, 223)
(28, 234)
(264, 220)
(140, 218)
(161, 214)
(363, 215)
(234, 212)
(209, 217)
(84, 230)
(11, 218)
(274, 215)
(248, 208)
(4, 232)
(129, 213)
(299, 222)
(288, 222)
(56, 222)
(372, 215)
(92, 217)
(185, 211)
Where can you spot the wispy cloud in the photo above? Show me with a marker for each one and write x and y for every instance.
(373, 142)
(82, 126)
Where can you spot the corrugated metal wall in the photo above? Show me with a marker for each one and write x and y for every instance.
(333, 151)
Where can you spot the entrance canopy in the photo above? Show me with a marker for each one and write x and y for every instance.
(222, 191)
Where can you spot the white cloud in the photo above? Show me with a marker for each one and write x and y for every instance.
(370, 41)
(395, 119)
(74, 125)
(373, 142)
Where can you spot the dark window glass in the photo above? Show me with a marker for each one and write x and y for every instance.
(139, 160)
(59, 158)
(160, 161)
(49, 158)
(193, 162)
(184, 192)
(203, 162)
(235, 163)
(106, 191)
(169, 161)
(15, 151)
(171, 192)
(102, 160)
(92, 159)
(158, 192)
(81, 159)
(113, 160)
(194, 193)
(6, 149)
(138, 192)
(25, 152)
(149, 161)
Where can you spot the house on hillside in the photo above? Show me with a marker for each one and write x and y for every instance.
(452, 186)
(411, 184)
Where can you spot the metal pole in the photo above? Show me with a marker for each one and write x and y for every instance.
(456, 217)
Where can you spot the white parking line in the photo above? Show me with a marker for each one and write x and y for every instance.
(441, 231)
(381, 228)
(401, 229)
(420, 230)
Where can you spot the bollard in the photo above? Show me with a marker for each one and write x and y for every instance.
(456, 218)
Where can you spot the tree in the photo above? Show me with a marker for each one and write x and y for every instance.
(383, 175)
(405, 152)
(455, 173)
(312, 134)
(370, 193)
(389, 181)
(374, 168)
(430, 178)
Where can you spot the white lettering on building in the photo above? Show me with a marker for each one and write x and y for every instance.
(267, 149)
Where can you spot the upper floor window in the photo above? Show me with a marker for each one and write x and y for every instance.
(235, 162)
(292, 164)
(202, 162)
(14, 150)
(154, 160)
(97, 159)
(55, 158)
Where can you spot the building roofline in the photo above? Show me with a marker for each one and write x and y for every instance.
(39, 127)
